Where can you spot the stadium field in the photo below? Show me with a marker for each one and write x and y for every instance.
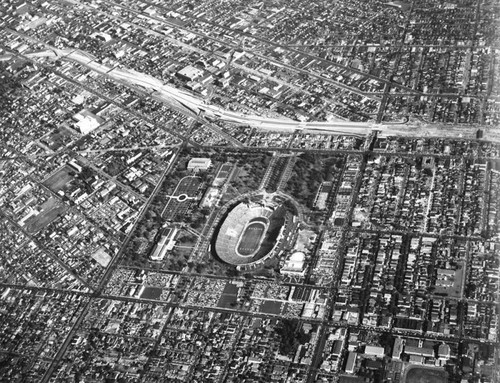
(251, 238)
(248, 233)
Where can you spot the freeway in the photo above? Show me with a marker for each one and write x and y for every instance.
(84, 58)
(183, 99)
(268, 44)
(170, 94)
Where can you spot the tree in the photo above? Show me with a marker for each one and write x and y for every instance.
(428, 172)
(290, 336)
(86, 173)
(232, 272)
(386, 340)
(205, 211)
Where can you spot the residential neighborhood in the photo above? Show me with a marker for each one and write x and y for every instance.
(249, 191)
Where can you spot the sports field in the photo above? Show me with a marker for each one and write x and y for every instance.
(251, 238)
(425, 375)
(248, 233)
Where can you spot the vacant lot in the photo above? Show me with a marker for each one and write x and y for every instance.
(59, 179)
(51, 209)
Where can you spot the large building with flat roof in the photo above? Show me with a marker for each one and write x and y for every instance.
(374, 351)
(351, 362)
(189, 73)
(166, 243)
(199, 164)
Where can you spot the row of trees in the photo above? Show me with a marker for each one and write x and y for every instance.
(309, 172)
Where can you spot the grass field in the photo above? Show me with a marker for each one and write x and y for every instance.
(425, 375)
(271, 307)
(229, 296)
(51, 209)
(151, 293)
(187, 186)
(59, 179)
(251, 238)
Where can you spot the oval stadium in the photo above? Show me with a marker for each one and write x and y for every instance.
(248, 233)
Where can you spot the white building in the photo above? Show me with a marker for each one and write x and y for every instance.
(351, 362)
(166, 243)
(295, 264)
(375, 351)
(189, 73)
(199, 164)
(87, 121)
